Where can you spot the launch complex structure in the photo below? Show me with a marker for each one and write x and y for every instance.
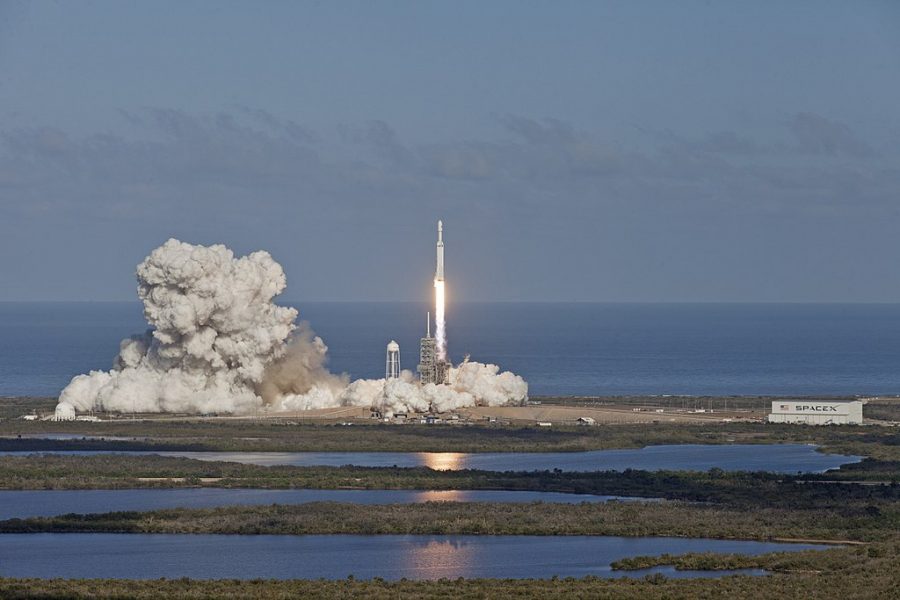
(431, 368)
(433, 364)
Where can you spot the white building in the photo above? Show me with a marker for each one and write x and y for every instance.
(817, 412)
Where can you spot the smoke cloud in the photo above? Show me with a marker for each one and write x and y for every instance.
(471, 384)
(214, 330)
(218, 343)
(301, 373)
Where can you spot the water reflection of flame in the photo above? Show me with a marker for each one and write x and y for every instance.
(435, 559)
(443, 496)
(442, 461)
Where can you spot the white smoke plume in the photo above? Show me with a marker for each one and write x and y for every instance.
(219, 344)
(471, 384)
(214, 331)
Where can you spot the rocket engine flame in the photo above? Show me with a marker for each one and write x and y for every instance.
(440, 324)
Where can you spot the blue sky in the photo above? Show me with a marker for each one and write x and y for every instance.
(591, 151)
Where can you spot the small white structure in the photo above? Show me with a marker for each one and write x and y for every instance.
(392, 361)
(586, 421)
(817, 412)
(64, 412)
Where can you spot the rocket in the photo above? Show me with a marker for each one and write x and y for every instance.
(439, 271)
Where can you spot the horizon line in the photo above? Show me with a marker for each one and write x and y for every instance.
(425, 302)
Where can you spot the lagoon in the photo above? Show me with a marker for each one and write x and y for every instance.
(47, 503)
(776, 458)
(150, 556)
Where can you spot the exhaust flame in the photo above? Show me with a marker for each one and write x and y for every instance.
(440, 325)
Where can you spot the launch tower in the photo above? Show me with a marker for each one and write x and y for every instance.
(427, 356)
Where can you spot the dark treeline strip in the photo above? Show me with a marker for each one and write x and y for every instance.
(115, 471)
(780, 562)
(101, 445)
(436, 518)
(285, 436)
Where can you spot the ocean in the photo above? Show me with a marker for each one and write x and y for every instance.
(565, 349)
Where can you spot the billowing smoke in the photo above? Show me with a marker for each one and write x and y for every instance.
(471, 383)
(214, 330)
(301, 372)
(219, 344)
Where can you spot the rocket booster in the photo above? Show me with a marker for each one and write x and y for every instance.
(439, 271)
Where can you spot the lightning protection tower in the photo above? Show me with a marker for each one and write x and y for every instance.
(392, 361)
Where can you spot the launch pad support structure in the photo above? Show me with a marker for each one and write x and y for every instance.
(426, 356)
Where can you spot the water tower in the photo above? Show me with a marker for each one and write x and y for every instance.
(392, 361)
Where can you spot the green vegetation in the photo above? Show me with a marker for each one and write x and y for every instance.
(286, 436)
(12, 407)
(885, 409)
(260, 436)
(778, 562)
(856, 521)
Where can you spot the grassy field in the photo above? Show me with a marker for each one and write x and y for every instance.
(262, 436)
(122, 472)
(885, 409)
(12, 407)
(869, 520)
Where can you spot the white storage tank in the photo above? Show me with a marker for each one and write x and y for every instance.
(392, 361)
(817, 412)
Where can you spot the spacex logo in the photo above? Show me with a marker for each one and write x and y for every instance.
(817, 408)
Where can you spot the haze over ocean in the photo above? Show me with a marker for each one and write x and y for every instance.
(566, 349)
